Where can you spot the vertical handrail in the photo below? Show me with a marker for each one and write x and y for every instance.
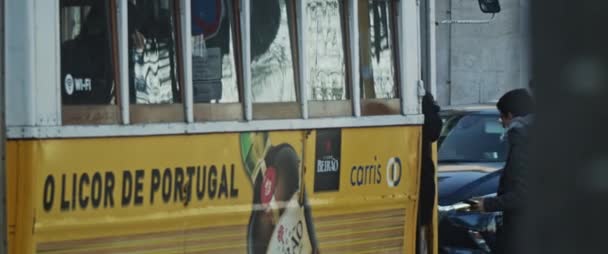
(123, 53)
(354, 47)
(187, 58)
(303, 63)
(246, 48)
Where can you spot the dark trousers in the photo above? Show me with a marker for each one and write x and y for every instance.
(505, 238)
(426, 201)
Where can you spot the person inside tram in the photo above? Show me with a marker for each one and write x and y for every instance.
(87, 74)
(152, 53)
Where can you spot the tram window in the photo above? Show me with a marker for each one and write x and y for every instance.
(153, 74)
(274, 59)
(378, 77)
(154, 54)
(328, 60)
(325, 50)
(89, 72)
(87, 69)
(215, 60)
(272, 46)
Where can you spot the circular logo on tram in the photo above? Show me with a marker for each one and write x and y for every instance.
(393, 172)
(69, 84)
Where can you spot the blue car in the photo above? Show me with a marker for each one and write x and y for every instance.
(471, 155)
(460, 230)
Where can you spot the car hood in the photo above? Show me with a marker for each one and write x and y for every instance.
(456, 186)
(470, 166)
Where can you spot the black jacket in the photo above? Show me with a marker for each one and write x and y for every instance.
(430, 133)
(513, 187)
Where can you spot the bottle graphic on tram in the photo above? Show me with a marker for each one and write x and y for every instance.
(281, 218)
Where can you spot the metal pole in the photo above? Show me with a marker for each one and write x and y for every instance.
(431, 44)
(246, 36)
(123, 53)
(449, 67)
(420, 83)
(403, 57)
(526, 53)
(354, 43)
(303, 25)
(468, 21)
(187, 59)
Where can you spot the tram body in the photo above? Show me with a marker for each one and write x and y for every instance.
(164, 127)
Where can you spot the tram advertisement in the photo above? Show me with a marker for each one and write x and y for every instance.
(281, 221)
(305, 191)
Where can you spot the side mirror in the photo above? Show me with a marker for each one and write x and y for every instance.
(489, 6)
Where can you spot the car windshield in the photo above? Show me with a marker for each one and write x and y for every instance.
(472, 138)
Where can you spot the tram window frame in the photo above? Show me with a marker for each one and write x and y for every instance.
(343, 107)
(383, 106)
(163, 112)
(290, 109)
(227, 111)
(201, 112)
(92, 114)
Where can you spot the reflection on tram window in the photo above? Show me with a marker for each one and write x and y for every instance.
(152, 52)
(214, 73)
(272, 65)
(87, 75)
(376, 50)
(325, 50)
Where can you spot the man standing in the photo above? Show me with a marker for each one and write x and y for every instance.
(515, 109)
(430, 133)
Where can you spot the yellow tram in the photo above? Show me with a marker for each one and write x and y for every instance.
(228, 126)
